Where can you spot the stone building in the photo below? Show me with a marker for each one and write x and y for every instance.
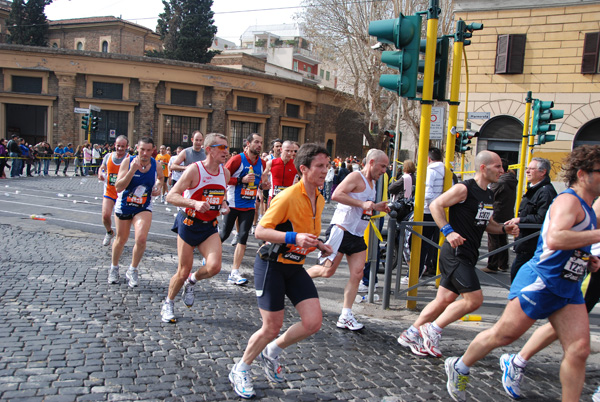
(550, 48)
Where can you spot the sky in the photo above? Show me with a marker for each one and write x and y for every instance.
(232, 17)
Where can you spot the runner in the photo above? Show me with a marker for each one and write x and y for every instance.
(201, 192)
(282, 170)
(137, 182)
(109, 169)
(291, 226)
(163, 159)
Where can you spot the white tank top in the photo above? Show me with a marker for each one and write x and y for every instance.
(355, 219)
(211, 189)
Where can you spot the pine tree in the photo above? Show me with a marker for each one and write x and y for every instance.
(15, 23)
(187, 30)
(27, 23)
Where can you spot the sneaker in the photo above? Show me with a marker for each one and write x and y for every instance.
(431, 340)
(252, 229)
(234, 241)
(512, 375)
(414, 342)
(113, 275)
(242, 384)
(167, 314)
(272, 367)
(457, 383)
(362, 288)
(596, 395)
(107, 238)
(132, 277)
(404, 280)
(188, 293)
(349, 322)
(236, 279)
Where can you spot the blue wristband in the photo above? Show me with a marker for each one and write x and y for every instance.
(290, 237)
(447, 229)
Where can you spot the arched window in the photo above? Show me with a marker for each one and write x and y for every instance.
(79, 46)
(55, 45)
(105, 47)
(588, 134)
(502, 134)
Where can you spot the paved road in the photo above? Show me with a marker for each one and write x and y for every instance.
(67, 335)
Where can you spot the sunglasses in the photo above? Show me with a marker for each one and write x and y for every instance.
(594, 171)
(220, 147)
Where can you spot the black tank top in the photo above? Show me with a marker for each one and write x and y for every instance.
(470, 218)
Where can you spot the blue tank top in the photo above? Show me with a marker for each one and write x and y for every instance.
(138, 194)
(244, 195)
(562, 270)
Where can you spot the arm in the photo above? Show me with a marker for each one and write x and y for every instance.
(268, 167)
(188, 179)
(305, 240)
(102, 170)
(564, 214)
(160, 179)
(126, 173)
(429, 180)
(498, 228)
(458, 193)
(176, 162)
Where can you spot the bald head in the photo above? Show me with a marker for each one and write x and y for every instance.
(374, 154)
(485, 158)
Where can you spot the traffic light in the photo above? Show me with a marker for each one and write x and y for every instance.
(391, 135)
(85, 121)
(94, 123)
(463, 140)
(440, 75)
(457, 142)
(464, 31)
(542, 116)
(405, 34)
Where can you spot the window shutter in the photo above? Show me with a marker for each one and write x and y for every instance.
(516, 53)
(502, 54)
(591, 50)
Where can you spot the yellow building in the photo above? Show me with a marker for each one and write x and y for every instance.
(548, 47)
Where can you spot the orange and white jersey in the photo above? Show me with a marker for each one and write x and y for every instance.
(211, 189)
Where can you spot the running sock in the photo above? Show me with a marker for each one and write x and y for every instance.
(436, 328)
(461, 367)
(114, 266)
(519, 361)
(413, 331)
(241, 366)
(169, 300)
(235, 272)
(110, 232)
(131, 268)
(346, 312)
(192, 278)
(272, 350)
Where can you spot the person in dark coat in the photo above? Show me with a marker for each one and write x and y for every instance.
(533, 208)
(505, 194)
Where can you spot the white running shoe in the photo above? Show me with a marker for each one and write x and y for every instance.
(188, 293)
(132, 277)
(167, 312)
(457, 383)
(113, 275)
(349, 322)
(414, 342)
(236, 279)
(404, 280)
(107, 238)
(431, 340)
(273, 369)
(362, 288)
(596, 395)
(235, 240)
(512, 376)
(242, 384)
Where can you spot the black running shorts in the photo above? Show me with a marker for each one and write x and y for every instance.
(458, 275)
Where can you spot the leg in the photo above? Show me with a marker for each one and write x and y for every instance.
(327, 269)
(141, 225)
(271, 324)
(107, 208)
(573, 328)
(470, 302)
(228, 223)
(356, 263)
(238, 256)
(185, 252)
(503, 255)
(432, 311)
(123, 228)
(493, 244)
(539, 340)
(211, 249)
(311, 318)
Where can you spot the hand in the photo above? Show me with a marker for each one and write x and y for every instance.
(156, 190)
(201, 206)
(135, 164)
(102, 176)
(224, 208)
(266, 184)
(249, 178)
(326, 250)
(511, 228)
(455, 239)
(306, 240)
(513, 221)
(368, 206)
(593, 264)
(382, 207)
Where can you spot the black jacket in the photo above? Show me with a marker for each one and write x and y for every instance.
(533, 208)
(505, 194)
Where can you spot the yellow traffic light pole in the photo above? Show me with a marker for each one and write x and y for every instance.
(426, 104)
(531, 143)
(524, 143)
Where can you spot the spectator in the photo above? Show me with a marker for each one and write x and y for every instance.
(3, 156)
(97, 156)
(78, 160)
(59, 152)
(47, 154)
(342, 173)
(403, 187)
(67, 156)
(38, 154)
(87, 158)
(505, 193)
(26, 155)
(329, 182)
(14, 151)
(434, 186)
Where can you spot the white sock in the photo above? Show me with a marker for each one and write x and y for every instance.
(519, 361)
(461, 367)
(235, 272)
(272, 350)
(241, 366)
(414, 331)
(346, 312)
(132, 268)
(169, 300)
(114, 267)
(192, 278)
(436, 328)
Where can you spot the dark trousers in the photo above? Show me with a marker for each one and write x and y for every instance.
(592, 295)
(499, 260)
(520, 259)
(429, 253)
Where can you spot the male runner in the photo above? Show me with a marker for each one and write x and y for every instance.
(109, 170)
(471, 208)
(163, 159)
(137, 182)
(282, 170)
(356, 203)
(246, 171)
(201, 194)
(192, 154)
(548, 285)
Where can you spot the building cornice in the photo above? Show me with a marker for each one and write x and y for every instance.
(486, 5)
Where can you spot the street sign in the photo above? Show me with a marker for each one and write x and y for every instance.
(436, 131)
(112, 133)
(479, 115)
(95, 108)
(81, 110)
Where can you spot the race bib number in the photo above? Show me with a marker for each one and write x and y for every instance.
(214, 197)
(278, 189)
(138, 197)
(366, 215)
(296, 253)
(248, 193)
(484, 214)
(576, 267)
(112, 179)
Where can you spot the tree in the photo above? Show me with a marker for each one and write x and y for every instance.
(187, 30)
(339, 28)
(27, 23)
